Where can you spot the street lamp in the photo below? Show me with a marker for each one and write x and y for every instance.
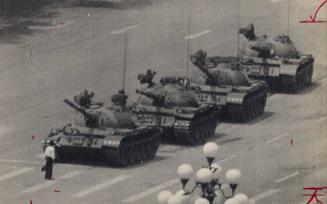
(185, 172)
(210, 150)
(207, 179)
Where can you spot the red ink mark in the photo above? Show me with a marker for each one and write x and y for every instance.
(56, 190)
(31, 202)
(313, 19)
(314, 195)
(33, 137)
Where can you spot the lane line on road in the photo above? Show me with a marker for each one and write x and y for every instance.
(16, 173)
(227, 158)
(151, 191)
(266, 194)
(196, 35)
(286, 177)
(321, 119)
(51, 182)
(276, 138)
(100, 186)
(120, 31)
(19, 161)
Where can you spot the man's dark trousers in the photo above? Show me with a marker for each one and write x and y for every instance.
(48, 168)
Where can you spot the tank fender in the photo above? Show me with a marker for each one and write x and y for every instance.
(112, 140)
(235, 98)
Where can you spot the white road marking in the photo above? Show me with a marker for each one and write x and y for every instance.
(196, 35)
(150, 191)
(286, 177)
(51, 182)
(120, 31)
(101, 186)
(19, 161)
(16, 173)
(227, 158)
(322, 119)
(60, 25)
(266, 194)
(276, 138)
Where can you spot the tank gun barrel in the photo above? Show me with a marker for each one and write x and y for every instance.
(78, 108)
(200, 62)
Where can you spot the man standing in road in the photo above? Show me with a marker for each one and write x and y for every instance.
(49, 159)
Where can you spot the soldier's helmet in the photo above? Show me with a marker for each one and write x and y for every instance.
(147, 77)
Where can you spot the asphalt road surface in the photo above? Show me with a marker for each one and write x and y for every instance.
(80, 50)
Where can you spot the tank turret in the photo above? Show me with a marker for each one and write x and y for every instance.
(218, 71)
(222, 82)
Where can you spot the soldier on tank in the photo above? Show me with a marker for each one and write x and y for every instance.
(147, 78)
(119, 101)
(84, 99)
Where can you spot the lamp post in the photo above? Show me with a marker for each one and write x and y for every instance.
(207, 179)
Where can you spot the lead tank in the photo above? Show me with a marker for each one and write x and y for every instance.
(219, 81)
(275, 60)
(105, 131)
(174, 108)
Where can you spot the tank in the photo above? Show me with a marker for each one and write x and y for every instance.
(275, 60)
(220, 81)
(109, 132)
(173, 107)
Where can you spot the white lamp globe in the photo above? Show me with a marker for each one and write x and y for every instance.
(231, 201)
(185, 197)
(210, 149)
(185, 171)
(216, 170)
(203, 175)
(233, 176)
(241, 198)
(227, 190)
(175, 200)
(163, 197)
(201, 201)
(251, 201)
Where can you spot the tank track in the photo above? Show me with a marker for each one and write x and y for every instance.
(301, 80)
(253, 106)
(200, 128)
(134, 149)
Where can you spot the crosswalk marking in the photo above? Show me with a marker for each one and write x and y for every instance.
(16, 173)
(101, 186)
(51, 182)
(151, 191)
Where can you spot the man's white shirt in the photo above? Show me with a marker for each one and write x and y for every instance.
(50, 152)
